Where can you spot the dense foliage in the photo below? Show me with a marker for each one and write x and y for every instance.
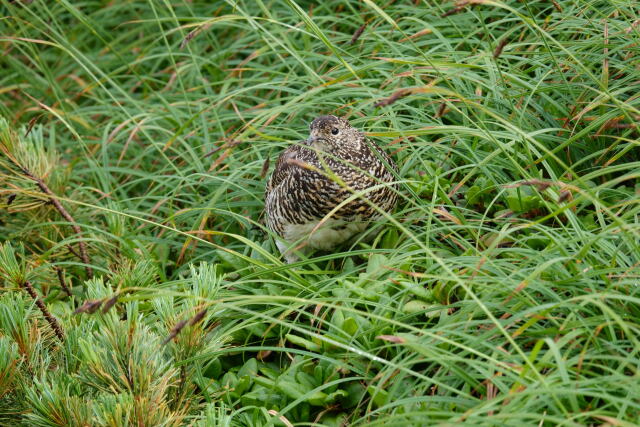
(138, 285)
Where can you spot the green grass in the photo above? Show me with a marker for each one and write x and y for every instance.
(504, 289)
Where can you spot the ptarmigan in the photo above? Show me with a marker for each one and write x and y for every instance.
(315, 176)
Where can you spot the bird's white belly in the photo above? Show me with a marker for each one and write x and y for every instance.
(328, 235)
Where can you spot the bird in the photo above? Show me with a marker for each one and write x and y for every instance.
(324, 190)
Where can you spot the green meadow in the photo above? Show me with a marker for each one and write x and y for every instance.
(139, 285)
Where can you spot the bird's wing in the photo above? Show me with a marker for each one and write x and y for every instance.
(284, 167)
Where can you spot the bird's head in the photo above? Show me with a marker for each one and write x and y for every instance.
(334, 134)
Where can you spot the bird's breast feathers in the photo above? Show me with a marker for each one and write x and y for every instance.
(323, 234)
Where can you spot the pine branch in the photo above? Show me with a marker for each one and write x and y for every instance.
(57, 329)
(63, 283)
(66, 215)
(32, 161)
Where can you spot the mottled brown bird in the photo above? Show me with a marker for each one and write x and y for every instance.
(313, 177)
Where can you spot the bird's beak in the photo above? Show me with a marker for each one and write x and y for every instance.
(317, 143)
(315, 139)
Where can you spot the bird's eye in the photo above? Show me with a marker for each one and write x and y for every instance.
(335, 131)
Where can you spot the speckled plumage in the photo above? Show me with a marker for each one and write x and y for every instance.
(306, 186)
